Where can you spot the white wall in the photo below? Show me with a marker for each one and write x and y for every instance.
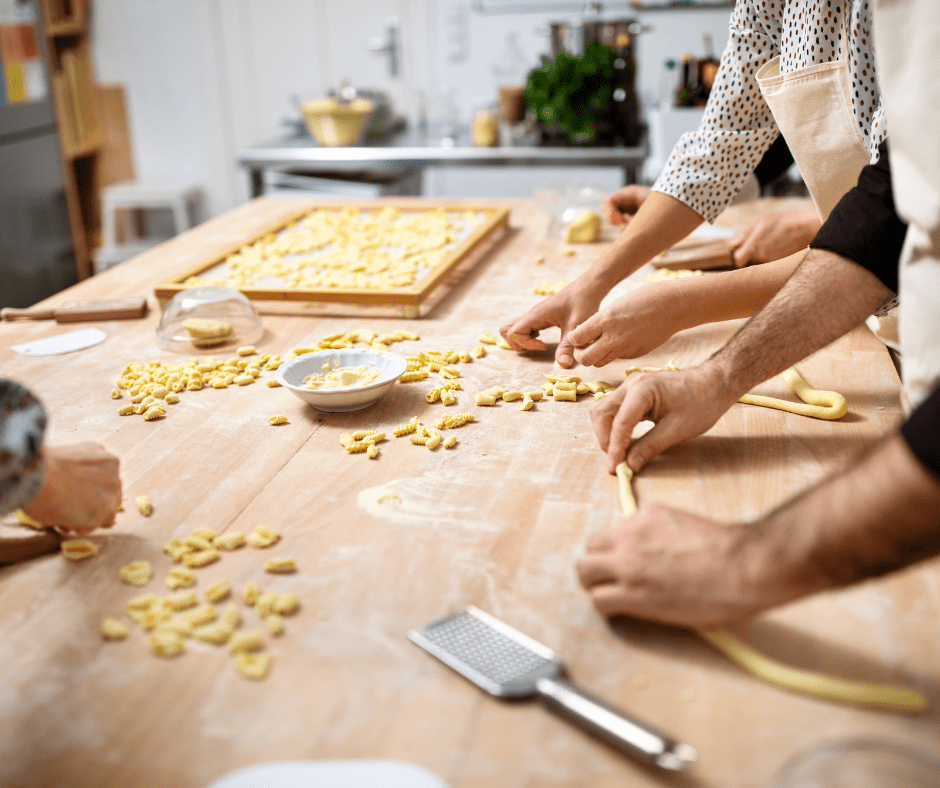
(206, 78)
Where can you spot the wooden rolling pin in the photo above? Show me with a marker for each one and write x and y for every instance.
(81, 311)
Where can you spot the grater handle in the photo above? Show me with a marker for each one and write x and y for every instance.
(613, 726)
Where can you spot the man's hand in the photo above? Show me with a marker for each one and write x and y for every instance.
(630, 327)
(775, 236)
(674, 568)
(566, 309)
(682, 404)
(620, 206)
(81, 490)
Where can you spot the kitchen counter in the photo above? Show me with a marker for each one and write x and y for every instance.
(385, 546)
(413, 148)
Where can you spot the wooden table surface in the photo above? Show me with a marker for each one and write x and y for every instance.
(497, 522)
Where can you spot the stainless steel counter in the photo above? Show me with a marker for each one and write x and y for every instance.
(412, 149)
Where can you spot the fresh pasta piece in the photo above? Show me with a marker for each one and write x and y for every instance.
(181, 601)
(116, 393)
(144, 506)
(502, 343)
(274, 623)
(487, 339)
(180, 577)
(286, 604)
(266, 603)
(201, 557)
(126, 410)
(247, 350)
(231, 617)
(78, 549)
(272, 383)
(528, 403)
(283, 565)
(136, 573)
(512, 396)
(485, 400)
(112, 629)
(175, 626)
(200, 615)
(166, 644)
(254, 666)
(218, 590)
(275, 420)
(251, 592)
(243, 380)
(262, 537)
(229, 542)
(197, 543)
(563, 395)
(204, 533)
(372, 452)
(24, 519)
(172, 398)
(245, 641)
(216, 633)
(450, 442)
(479, 351)
(433, 442)
(142, 602)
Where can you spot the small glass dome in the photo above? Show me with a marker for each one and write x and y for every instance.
(205, 318)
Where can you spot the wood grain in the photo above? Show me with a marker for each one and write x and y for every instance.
(497, 522)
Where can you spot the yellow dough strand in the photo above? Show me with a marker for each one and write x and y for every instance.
(818, 404)
(886, 696)
(806, 682)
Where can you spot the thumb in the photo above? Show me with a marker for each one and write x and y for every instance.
(744, 250)
(564, 353)
(586, 333)
(661, 437)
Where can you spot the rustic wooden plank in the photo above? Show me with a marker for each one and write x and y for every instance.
(497, 522)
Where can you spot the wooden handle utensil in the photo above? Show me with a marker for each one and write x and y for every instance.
(82, 311)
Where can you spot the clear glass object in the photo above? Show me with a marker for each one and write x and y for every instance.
(576, 198)
(236, 319)
(861, 763)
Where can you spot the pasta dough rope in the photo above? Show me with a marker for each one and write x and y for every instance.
(806, 682)
(819, 404)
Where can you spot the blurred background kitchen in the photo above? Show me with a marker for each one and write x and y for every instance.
(124, 122)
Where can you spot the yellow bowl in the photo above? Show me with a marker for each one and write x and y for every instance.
(334, 124)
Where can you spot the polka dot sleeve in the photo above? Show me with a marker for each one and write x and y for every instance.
(708, 167)
(22, 424)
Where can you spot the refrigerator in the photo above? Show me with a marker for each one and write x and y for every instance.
(37, 258)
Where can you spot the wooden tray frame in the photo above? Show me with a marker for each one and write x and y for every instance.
(411, 298)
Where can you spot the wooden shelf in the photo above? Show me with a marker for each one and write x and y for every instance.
(67, 46)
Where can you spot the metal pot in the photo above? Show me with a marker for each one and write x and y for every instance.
(573, 36)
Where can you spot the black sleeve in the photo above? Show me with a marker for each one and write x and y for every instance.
(776, 161)
(864, 226)
(922, 433)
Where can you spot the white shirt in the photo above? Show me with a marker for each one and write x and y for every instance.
(708, 167)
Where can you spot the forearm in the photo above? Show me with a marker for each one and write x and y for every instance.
(826, 297)
(730, 295)
(659, 223)
(880, 515)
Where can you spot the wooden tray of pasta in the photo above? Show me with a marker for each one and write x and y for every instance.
(376, 254)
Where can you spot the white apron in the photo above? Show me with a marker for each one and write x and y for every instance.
(907, 46)
(813, 110)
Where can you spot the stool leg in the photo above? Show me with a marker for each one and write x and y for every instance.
(180, 216)
(107, 228)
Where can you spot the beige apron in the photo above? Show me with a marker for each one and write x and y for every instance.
(813, 110)
(907, 43)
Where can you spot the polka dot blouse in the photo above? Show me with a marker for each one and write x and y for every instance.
(708, 167)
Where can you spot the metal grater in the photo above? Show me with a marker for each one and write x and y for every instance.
(504, 662)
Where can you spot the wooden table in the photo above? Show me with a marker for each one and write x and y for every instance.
(496, 522)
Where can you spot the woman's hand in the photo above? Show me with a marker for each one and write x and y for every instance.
(81, 489)
(630, 327)
(620, 206)
(566, 309)
(775, 236)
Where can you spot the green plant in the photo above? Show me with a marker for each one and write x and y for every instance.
(574, 91)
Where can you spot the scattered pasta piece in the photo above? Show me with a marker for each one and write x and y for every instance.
(204, 533)
(548, 288)
(266, 603)
(112, 629)
(286, 604)
(263, 536)
(254, 666)
(272, 383)
(450, 442)
(229, 542)
(180, 577)
(245, 641)
(274, 623)
(487, 339)
(216, 633)
(203, 614)
(24, 519)
(274, 420)
(201, 557)
(247, 350)
(181, 601)
(250, 592)
(284, 565)
(166, 644)
(144, 506)
(218, 590)
(136, 573)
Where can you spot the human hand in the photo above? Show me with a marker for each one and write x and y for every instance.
(620, 206)
(81, 489)
(674, 568)
(775, 236)
(682, 404)
(566, 309)
(630, 327)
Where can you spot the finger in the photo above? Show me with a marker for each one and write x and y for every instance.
(598, 354)
(599, 543)
(744, 250)
(586, 333)
(663, 435)
(602, 418)
(521, 334)
(610, 600)
(636, 404)
(593, 571)
(564, 353)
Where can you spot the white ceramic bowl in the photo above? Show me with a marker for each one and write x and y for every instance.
(291, 376)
